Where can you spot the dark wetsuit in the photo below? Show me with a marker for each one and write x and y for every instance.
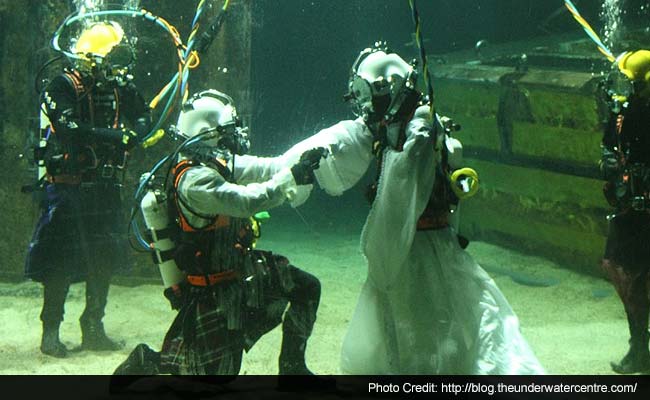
(81, 232)
(626, 164)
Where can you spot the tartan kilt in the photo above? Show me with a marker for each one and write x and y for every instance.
(215, 325)
(79, 226)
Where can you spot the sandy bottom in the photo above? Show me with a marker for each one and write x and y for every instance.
(575, 324)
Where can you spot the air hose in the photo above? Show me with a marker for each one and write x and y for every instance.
(187, 56)
(464, 173)
(589, 30)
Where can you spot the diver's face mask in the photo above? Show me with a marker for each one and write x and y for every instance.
(233, 138)
(382, 103)
(370, 99)
(116, 65)
(112, 69)
(380, 86)
(620, 86)
(121, 58)
(211, 115)
(223, 140)
(106, 52)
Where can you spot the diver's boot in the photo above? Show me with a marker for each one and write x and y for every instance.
(637, 358)
(292, 362)
(142, 361)
(50, 343)
(292, 355)
(93, 337)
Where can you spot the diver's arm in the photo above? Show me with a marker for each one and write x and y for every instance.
(208, 193)
(420, 136)
(405, 186)
(609, 162)
(350, 155)
(610, 137)
(609, 109)
(137, 110)
(250, 168)
(62, 108)
(350, 152)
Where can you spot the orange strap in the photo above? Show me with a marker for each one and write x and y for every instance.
(220, 221)
(77, 81)
(212, 279)
(619, 129)
(619, 123)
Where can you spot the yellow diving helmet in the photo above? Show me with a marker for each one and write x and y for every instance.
(635, 65)
(99, 39)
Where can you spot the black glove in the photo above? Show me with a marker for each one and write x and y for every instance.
(303, 170)
(609, 165)
(129, 139)
(177, 294)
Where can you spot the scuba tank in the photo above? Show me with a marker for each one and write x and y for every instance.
(39, 145)
(39, 151)
(156, 217)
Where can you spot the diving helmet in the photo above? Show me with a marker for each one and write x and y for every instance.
(633, 73)
(635, 65)
(381, 84)
(98, 39)
(212, 115)
(104, 45)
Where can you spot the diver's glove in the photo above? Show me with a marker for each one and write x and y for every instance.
(303, 170)
(129, 139)
(609, 164)
(176, 294)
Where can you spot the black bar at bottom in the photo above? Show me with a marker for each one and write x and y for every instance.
(325, 387)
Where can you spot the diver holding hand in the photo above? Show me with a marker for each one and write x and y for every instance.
(426, 307)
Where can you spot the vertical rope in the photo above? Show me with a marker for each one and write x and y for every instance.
(423, 56)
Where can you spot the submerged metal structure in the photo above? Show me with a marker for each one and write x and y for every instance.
(532, 130)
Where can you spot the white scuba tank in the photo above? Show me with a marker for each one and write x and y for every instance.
(42, 142)
(154, 210)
